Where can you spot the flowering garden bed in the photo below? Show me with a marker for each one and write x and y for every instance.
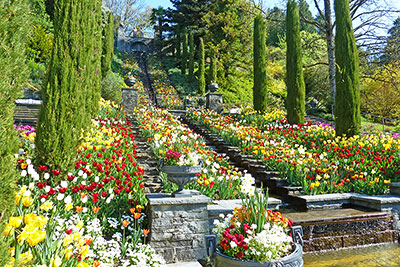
(93, 216)
(310, 155)
(165, 91)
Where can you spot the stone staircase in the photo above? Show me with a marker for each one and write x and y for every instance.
(146, 160)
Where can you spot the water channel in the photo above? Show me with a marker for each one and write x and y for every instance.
(378, 255)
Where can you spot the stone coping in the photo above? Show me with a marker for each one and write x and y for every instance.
(158, 199)
(378, 202)
(184, 264)
(227, 206)
(24, 101)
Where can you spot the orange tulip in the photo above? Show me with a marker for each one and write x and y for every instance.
(132, 210)
(96, 263)
(79, 209)
(24, 165)
(88, 241)
(125, 223)
(137, 215)
(83, 195)
(146, 232)
(96, 209)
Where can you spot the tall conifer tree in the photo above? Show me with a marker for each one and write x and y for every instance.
(260, 66)
(184, 52)
(191, 55)
(14, 25)
(295, 102)
(108, 42)
(213, 66)
(202, 79)
(347, 99)
(72, 90)
(178, 43)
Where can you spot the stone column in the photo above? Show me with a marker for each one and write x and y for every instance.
(215, 102)
(178, 226)
(129, 100)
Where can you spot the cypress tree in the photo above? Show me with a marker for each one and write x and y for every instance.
(108, 42)
(184, 52)
(191, 55)
(14, 26)
(178, 43)
(92, 33)
(72, 90)
(213, 66)
(202, 81)
(260, 66)
(295, 102)
(347, 99)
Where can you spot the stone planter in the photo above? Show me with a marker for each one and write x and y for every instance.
(295, 259)
(181, 175)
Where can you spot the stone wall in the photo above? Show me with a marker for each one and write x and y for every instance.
(178, 226)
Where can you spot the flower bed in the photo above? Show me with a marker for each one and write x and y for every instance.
(310, 155)
(93, 217)
(165, 91)
(165, 133)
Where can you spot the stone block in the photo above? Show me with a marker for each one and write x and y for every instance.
(215, 102)
(323, 243)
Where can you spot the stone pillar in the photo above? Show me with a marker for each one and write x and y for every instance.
(215, 102)
(129, 100)
(178, 226)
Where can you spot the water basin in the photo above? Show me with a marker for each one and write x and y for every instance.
(378, 255)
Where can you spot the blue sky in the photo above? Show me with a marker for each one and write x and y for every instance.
(167, 3)
(157, 3)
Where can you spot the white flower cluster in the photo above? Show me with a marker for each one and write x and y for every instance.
(190, 159)
(271, 243)
(108, 252)
(247, 187)
(143, 255)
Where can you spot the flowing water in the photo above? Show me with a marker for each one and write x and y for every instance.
(380, 255)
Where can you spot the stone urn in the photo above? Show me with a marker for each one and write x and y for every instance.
(294, 259)
(181, 175)
(130, 82)
(213, 87)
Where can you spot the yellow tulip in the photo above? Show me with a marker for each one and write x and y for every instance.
(15, 222)
(27, 201)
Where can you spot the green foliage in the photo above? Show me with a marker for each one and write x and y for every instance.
(232, 40)
(392, 50)
(92, 34)
(304, 11)
(40, 44)
(184, 52)
(40, 17)
(111, 87)
(276, 28)
(179, 80)
(295, 101)
(14, 25)
(191, 56)
(37, 73)
(382, 87)
(70, 94)
(108, 42)
(347, 99)
(189, 13)
(260, 67)
(202, 79)
(178, 43)
(116, 64)
(213, 66)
